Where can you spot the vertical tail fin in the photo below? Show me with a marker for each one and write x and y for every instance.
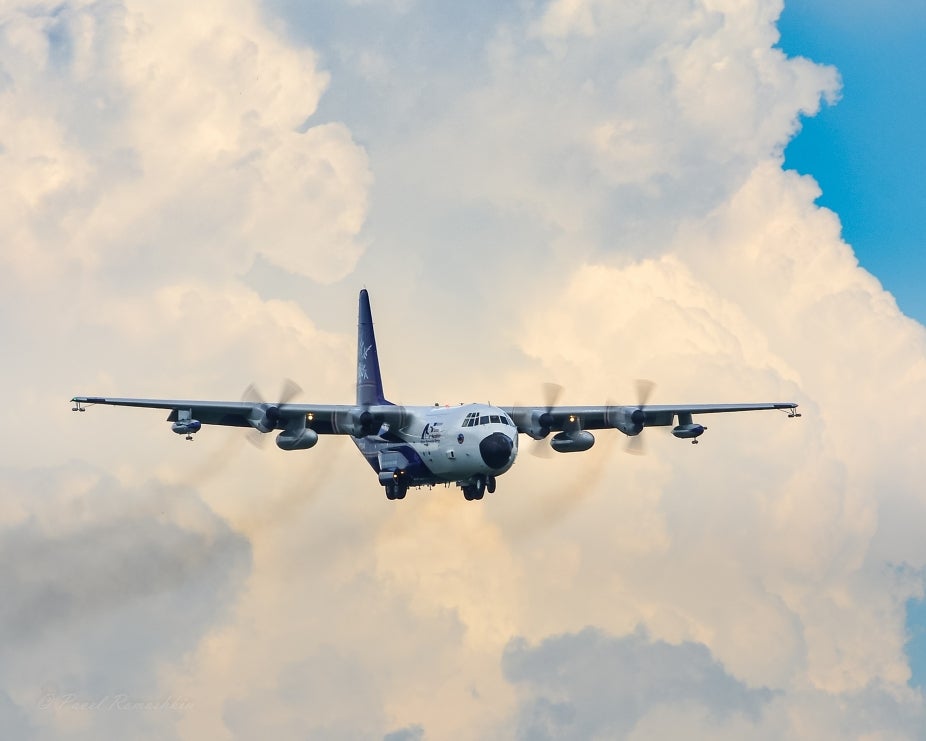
(369, 380)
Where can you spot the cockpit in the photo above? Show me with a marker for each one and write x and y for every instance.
(475, 419)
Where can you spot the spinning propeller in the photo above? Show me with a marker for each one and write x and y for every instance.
(272, 412)
(551, 393)
(644, 390)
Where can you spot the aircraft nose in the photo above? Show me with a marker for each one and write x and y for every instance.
(496, 449)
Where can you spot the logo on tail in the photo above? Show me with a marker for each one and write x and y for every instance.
(369, 379)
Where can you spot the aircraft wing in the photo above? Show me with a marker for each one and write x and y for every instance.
(538, 421)
(324, 419)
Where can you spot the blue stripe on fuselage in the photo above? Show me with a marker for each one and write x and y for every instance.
(417, 472)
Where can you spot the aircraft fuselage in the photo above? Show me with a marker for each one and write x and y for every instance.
(468, 444)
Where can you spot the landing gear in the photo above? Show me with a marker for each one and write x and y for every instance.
(490, 484)
(395, 490)
(477, 489)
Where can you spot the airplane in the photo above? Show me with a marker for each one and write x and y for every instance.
(469, 445)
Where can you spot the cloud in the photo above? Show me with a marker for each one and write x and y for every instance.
(587, 685)
(103, 583)
(822, 503)
(164, 140)
(412, 733)
(575, 191)
(324, 677)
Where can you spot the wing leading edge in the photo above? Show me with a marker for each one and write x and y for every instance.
(537, 422)
(324, 419)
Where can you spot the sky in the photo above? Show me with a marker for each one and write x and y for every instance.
(577, 191)
(865, 150)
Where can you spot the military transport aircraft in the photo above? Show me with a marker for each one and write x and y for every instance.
(469, 445)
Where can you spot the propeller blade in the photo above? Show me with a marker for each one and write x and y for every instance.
(256, 438)
(635, 445)
(644, 387)
(541, 449)
(644, 390)
(289, 391)
(252, 394)
(551, 393)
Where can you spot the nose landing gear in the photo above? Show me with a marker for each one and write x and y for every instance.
(477, 489)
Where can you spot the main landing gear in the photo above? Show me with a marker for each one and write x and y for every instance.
(396, 490)
(478, 488)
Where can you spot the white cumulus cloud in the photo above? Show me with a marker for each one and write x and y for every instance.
(580, 191)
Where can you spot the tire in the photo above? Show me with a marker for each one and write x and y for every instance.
(479, 487)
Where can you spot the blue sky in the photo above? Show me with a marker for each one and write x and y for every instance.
(867, 151)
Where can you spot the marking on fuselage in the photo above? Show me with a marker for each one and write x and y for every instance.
(432, 432)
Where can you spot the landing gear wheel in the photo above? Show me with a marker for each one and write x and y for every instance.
(490, 484)
(395, 490)
(475, 490)
(479, 485)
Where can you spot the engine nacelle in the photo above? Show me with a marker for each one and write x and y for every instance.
(301, 440)
(265, 418)
(628, 420)
(186, 426)
(358, 422)
(572, 442)
(540, 423)
(688, 431)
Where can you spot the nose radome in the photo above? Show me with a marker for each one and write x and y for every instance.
(496, 449)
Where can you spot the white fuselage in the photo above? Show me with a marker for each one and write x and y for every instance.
(453, 444)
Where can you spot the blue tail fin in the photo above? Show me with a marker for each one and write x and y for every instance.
(369, 380)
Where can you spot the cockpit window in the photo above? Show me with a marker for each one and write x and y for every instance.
(483, 420)
(494, 419)
(471, 419)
